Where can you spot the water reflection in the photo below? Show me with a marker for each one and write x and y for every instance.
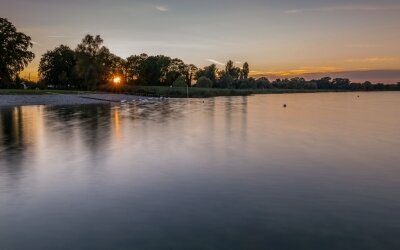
(223, 173)
(19, 133)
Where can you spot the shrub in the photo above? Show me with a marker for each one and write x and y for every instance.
(226, 82)
(180, 82)
(263, 83)
(204, 82)
(249, 83)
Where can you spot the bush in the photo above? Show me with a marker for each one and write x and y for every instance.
(263, 83)
(226, 82)
(249, 83)
(204, 82)
(180, 82)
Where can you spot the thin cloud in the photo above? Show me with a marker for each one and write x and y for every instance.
(372, 60)
(161, 8)
(36, 43)
(216, 62)
(342, 8)
(296, 72)
(237, 62)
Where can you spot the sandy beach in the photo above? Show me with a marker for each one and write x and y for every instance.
(65, 99)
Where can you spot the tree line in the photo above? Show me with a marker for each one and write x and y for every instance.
(91, 66)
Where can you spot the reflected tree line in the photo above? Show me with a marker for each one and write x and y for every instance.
(93, 125)
(92, 66)
(12, 135)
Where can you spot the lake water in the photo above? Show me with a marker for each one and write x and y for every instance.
(223, 173)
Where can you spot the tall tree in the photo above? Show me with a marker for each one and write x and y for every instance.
(57, 66)
(231, 70)
(133, 66)
(229, 67)
(245, 70)
(191, 72)
(88, 65)
(14, 50)
(154, 70)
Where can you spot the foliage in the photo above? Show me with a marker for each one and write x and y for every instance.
(180, 82)
(14, 51)
(57, 66)
(209, 72)
(204, 82)
(95, 64)
(245, 71)
(225, 82)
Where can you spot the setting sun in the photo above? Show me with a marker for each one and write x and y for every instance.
(117, 80)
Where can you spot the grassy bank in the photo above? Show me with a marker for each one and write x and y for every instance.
(204, 93)
(157, 91)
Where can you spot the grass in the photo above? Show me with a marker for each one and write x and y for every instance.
(174, 92)
(205, 93)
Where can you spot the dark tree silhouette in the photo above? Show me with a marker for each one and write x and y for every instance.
(57, 66)
(14, 51)
(245, 70)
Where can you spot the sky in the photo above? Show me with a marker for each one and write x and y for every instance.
(359, 39)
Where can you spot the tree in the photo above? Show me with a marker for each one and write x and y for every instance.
(176, 68)
(248, 83)
(204, 82)
(226, 82)
(90, 45)
(231, 70)
(210, 72)
(229, 67)
(180, 82)
(14, 50)
(57, 66)
(263, 83)
(341, 83)
(191, 72)
(154, 70)
(245, 71)
(95, 63)
(367, 86)
(86, 65)
(92, 61)
(324, 83)
(133, 66)
(109, 65)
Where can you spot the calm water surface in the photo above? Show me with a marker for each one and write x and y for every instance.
(229, 173)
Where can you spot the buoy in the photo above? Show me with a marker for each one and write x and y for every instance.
(284, 105)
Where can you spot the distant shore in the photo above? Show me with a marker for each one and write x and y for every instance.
(193, 92)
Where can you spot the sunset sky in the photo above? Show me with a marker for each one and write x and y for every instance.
(279, 38)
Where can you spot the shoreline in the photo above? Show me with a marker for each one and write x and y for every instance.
(48, 99)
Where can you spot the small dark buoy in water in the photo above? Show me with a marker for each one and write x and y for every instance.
(358, 96)
(284, 105)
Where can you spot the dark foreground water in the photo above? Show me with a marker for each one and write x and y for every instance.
(229, 173)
